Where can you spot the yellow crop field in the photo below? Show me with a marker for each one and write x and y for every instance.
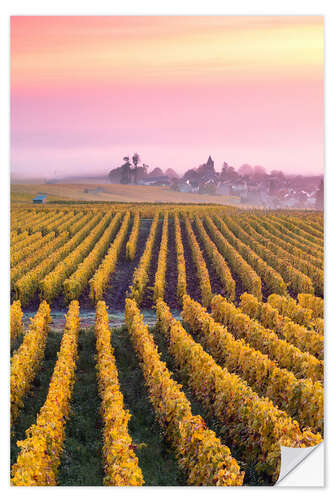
(123, 315)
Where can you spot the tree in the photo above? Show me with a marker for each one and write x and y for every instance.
(192, 176)
(141, 173)
(259, 172)
(228, 173)
(245, 170)
(277, 173)
(174, 184)
(145, 168)
(125, 171)
(135, 160)
(207, 169)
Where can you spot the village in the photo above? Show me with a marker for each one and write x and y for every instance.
(246, 185)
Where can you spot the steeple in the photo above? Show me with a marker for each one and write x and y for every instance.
(210, 162)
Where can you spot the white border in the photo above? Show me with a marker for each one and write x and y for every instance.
(146, 7)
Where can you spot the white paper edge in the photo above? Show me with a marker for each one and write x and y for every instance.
(302, 466)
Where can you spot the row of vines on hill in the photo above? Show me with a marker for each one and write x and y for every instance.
(224, 394)
(78, 249)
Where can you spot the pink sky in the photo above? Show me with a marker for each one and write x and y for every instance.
(86, 91)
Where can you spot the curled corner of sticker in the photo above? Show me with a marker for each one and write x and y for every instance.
(298, 470)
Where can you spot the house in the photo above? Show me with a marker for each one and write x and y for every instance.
(252, 196)
(267, 200)
(185, 187)
(224, 188)
(208, 186)
(40, 198)
(289, 200)
(312, 199)
(240, 189)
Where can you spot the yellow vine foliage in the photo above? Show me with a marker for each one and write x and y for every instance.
(38, 461)
(271, 276)
(299, 248)
(23, 247)
(318, 326)
(181, 267)
(248, 276)
(253, 424)
(120, 462)
(162, 261)
(26, 361)
(306, 340)
(271, 232)
(131, 245)
(16, 237)
(16, 325)
(70, 255)
(300, 398)
(140, 275)
(315, 304)
(34, 223)
(287, 306)
(302, 274)
(218, 262)
(65, 223)
(286, 355)
(85, 219)
(75, 284)
(294, 238)
(203, 275)
(309, 226)
(283, 251)
(100, 279)
(200, 453)
(32, 262)
(302, 229)
(50, 223)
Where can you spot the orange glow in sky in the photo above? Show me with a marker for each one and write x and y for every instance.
(86, 91)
